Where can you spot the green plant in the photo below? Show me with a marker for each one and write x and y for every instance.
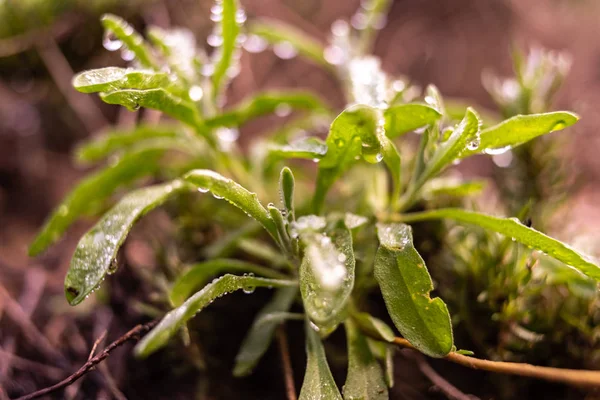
(327, 251)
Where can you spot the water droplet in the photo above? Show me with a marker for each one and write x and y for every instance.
(398, 85)
(285, 50)
(558, 126)
(126, 54)
(214, 40)
(228, 135)
(112, 268)
(283, 110)
(334, 55)
(240, 16)
(63, 210)
(196, 93)
(313, 326)
(203, 190)
(216, 196)
(359, 21)
(380, 21)
(110, 41)
(217, 9)
(342, 257)
(503, 160)
(207, 70)
(474, 144)
(255, 44)
(340, 28)
(216, 17)
(430, 100)
(497, 151)
(339, 142)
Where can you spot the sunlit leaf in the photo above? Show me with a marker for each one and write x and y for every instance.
(404, 118)
(310, 148)
(365, 379)
(515, 229)
(110, 79)
(91, 192)
(277, 32)
(464, 134)
(406, 285)
(175, 319)
(132, 40)
(197, 275)
(259, 337)
(229, 30)
(266, 103)
(95, 254)
(156, 99)
(235, 194)
(327, 275)
(520, 129)
(318, 381)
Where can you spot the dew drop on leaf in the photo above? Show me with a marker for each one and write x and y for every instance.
(283, 110)
(255, 44)
(497, 151)
(474, 144)
(340, 28)
(284, 50)
(195, 93)
(110, 41)
(334, 55)
(214, 40)
(126, 54)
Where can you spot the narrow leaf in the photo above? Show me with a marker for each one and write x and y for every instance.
(176, 319)
(465, 133)
(318, 381)
(91, 192)
(259, 337)
(374, 326)
(115, 140)
(132, 40)
(404, 118)
(229, 30)
(365, 379)
(286, 191)
(311, 148)
(156, 99)
(110, 79)
(521, 129)
(179, 49)
(197, 275)
(327, 275)
(452, 187)
(514, 228)
(266, 103)
(235, 194)
(405, 285)
(96, 251)
(276, 33)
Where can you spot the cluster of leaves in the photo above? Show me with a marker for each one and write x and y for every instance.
(537, 304)
(324, 251)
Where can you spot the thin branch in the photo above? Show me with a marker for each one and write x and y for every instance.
(133, 334)
(442, 384)
(575, 377)
(288, 373)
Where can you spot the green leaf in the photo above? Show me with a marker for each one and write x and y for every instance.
(266, 103)
(405, 285)
(91, 192)
(452, 187)
(327, 275)
(176, 318)
(310, 148)
(111, 79)
(374, 326)
(514, 228)
(352, 130)
(225, 188)
(318, 381)
(130, 38)
(259, 337)
(96, 251)
(365, 380)
(229, 30)
(286, 192)
(115, 140)
(465, 133)
(276, 32)
(156, 99)
(521, 129)
(404, 118)
(197, 275)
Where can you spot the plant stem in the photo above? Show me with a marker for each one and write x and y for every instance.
(288, 373)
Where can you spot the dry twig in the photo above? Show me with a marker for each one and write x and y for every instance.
(133, 334)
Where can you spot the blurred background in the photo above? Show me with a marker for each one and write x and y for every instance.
(42, 42)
